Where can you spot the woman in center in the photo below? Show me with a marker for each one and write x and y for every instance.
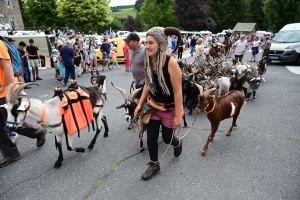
(162, 86)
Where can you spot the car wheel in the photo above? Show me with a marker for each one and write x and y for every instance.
(298, 60)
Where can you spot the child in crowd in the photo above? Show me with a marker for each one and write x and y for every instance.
(54, 65)
(78, 60)
(114, 58)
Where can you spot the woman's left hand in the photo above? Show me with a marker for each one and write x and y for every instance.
(177, 122)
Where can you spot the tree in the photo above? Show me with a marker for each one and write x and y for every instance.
(89, 13)
(281, 12)
(116, 24)
(228, 12)
(26, 19)
(130, 25)
(158, 13)
(41, 13)
(258, 16)
(138, 4)
(194, 15)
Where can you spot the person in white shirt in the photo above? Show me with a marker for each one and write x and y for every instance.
(255, 45)
(199, 48)
(240, 47)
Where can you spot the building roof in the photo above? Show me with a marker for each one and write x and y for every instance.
(245, 27)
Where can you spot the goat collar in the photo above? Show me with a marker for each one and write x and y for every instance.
(213, 108)
(43, 115)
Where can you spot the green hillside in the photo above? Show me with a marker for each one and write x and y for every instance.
(124, 13)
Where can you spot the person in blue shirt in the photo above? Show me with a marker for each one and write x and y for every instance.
(105, 49)
(67, 56)
(173, 43)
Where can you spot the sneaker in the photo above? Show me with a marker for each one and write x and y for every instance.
(22, 93)
(58, 80)
(14, 137)
(119, 67)
(6, 161)
(178, 149)
(40, 141)
(153, 169)
(33, 79)
(64, 84)
(38, 78)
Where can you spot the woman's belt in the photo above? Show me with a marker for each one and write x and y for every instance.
(160, 106)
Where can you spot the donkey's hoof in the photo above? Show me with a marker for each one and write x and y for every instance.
(105, 134)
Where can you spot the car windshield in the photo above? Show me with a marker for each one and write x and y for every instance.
(287, 37)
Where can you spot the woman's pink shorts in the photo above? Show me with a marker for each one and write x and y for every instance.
(166, 117)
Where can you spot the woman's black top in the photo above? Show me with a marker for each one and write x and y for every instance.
(159, 96)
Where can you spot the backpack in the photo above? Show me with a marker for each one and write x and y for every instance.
(181, 42)
(14, 54)
(51, 61)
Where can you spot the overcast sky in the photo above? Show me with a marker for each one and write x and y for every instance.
(121, 2)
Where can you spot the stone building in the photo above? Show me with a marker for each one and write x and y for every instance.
(10, 15)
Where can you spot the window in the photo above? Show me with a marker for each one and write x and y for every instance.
(8, 3)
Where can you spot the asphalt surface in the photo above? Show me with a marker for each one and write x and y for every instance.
(260, 160)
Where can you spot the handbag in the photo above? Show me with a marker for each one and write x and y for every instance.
(146, 113)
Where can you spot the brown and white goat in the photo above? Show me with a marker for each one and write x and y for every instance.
(218, 109)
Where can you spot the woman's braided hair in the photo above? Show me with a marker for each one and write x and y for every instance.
(161, 36)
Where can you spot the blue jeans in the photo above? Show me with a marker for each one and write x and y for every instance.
(27, 74)
(192, 50)
(69, 70)
(62, 70)
(106, 56)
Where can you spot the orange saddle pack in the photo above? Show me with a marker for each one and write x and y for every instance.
(76, 110)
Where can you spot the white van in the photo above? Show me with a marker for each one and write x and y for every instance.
(45, 43)
(120, 33)
(286, 43)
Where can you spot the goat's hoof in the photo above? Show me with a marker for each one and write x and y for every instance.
(228, 134)
(57, 165)
(247, 99)
(91, 146)
(105, 134)
(203, 153)
(80, 150)
(211, 139)
(185, 125)
(254, 97)
(235, 125)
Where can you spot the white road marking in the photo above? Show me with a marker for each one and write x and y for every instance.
(294, 69)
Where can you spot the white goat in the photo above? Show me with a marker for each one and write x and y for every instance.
(48, 114)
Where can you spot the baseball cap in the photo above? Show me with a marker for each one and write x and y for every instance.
(54, 50)
(69, 42)
(31, 40)
(132, 36)
(11, 40)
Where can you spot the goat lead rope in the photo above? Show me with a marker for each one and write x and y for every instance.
(190, 127)
(140, 134)
(171, 140)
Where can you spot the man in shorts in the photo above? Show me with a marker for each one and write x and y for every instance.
(34, 59)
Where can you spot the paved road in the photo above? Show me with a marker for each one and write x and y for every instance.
(261, 160)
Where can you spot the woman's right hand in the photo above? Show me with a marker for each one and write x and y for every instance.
(137, 111)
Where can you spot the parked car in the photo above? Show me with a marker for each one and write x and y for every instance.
(285, 44)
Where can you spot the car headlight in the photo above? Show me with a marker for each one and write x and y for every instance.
(294, 46)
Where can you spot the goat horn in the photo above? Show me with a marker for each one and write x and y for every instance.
(133, 94)
(8, 90)
(15, 95)
(207, 92)
(199, 87)
(123, 92)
